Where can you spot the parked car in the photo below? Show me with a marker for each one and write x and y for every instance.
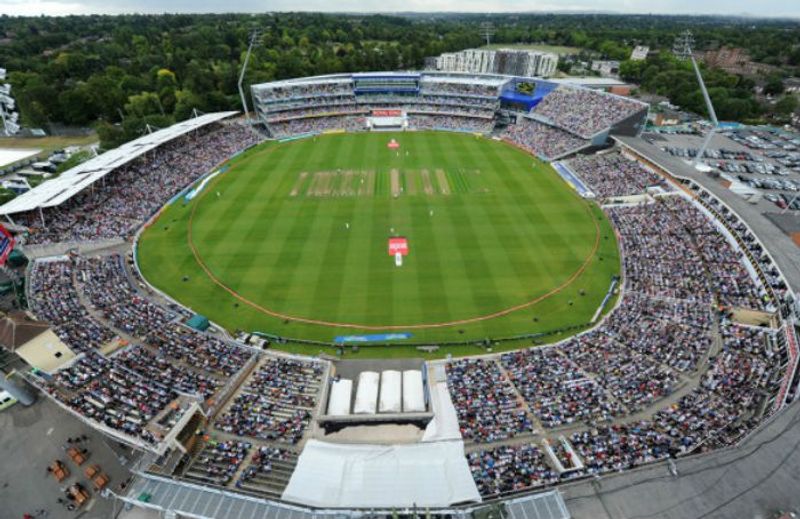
(6, 400)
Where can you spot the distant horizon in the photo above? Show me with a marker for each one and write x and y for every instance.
(769, 9)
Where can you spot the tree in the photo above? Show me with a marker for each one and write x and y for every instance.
(76, 106)
(786, 105)
(187, 101)
(774, 86)
(141, 105)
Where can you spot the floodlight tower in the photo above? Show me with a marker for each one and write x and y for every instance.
(683, 50)
(8, 106)
(253, 42)
(487, 31)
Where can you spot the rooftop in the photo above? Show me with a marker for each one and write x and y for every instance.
(57, 191)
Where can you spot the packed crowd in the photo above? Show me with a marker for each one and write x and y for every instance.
(363, 105)
(162, 370)
(105, 284)
(276, 402)
(631, 378)
(726, 404)
(199, 350)
(451, 122)
(612, 174)
(457, 88)
(557, 391)
(677, 264)
(677, 344)
(565, 457)
(542, 140)
(673, 250)
(291, 127)
(508, 469)
(748, 240)
(478, 102)
(451, 110)
(107, 288)
(131, 194)
(618, 447)
(54, 299)
(275, 107)
(127, 390)
(487, 406)
(585, 112)
(298, 90)
(326, 110)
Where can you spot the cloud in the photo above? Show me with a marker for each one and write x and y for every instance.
(773, 8)
(39, 7)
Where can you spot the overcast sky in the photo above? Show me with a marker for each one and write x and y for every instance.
(769, 8)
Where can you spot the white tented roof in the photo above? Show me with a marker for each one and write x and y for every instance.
(10, 156)
(366, 476)
(413, 392)
(391, 392)
(73, 181)
(444, 425)
(339, 400)
(367, 393)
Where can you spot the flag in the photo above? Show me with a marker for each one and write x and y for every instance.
(6, 244)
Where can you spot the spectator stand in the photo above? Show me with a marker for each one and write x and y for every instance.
(276, 402)
(68, 184)
(543, 140)
(125, 200)
(739, 377)
(740, 229)
(573, 180)
(158, 435)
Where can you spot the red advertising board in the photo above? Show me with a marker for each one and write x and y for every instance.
(6, 244)
(398, 244)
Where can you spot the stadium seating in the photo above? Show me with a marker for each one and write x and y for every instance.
(218, 462)
(677, 265)
(487, 406)
(613, 175)
(268, 472)
(129, 196)
(585, 112)
(540, 139)
(668, 372)
(276, 402)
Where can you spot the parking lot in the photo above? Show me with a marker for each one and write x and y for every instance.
(766, 161)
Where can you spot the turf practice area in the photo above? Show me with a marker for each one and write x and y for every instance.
(293, 239)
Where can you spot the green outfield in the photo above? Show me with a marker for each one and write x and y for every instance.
(292, 239)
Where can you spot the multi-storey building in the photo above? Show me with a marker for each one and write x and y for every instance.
(503, 61)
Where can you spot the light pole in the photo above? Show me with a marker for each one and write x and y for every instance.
(683, 50)
(253, 40)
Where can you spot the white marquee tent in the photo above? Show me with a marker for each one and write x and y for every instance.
(339, 400)
(391, 393)
(367, 393)
(342, 475)
(413, 392)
